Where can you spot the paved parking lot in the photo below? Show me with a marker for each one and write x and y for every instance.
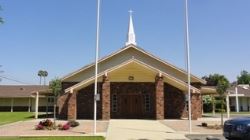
(204, 137)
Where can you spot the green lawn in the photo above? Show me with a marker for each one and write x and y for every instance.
(54, 138)
(9, 117)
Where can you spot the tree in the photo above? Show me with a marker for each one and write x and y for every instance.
(221, 88)
(1, 19)
(40, 74)
(244, 77)
(55, 86)
(45, 74)
(212, 79)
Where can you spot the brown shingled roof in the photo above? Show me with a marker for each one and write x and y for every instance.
(19, 91)
(241, 90)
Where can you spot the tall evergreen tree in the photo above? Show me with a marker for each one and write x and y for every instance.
(244, 77)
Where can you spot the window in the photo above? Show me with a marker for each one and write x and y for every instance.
(50, 100)
(114, 103)
(147, 102)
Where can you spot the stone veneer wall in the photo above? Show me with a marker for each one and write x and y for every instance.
(63, 100)
(159, 98)
(174, 102)
(196, 106)
(85, 102)
(105, 99)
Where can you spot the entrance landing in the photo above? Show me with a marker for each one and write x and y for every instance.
(141, 130)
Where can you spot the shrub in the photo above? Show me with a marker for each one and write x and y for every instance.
(73, 123)
(64, 127)
(204, 124)
(39, 127)
(45, 124)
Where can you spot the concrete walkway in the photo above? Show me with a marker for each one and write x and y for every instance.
(141, 130)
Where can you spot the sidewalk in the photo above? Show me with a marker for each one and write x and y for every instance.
(141, 130)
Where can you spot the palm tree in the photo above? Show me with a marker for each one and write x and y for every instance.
(56, 87)
(1, 19)
(45, 74)
(40, 74)
(221, 88)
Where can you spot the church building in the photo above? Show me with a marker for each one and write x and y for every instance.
(132, 84)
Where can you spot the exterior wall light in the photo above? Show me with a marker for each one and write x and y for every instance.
(130, 78)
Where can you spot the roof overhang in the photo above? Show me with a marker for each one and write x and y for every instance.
(208, 90)
(140, 50)
(167, 78)
(47, 92)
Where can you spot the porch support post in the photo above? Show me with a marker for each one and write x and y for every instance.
(12, 104)
(72, 106)
(29, 105)
(196, 106)
(213, 105)
(247, 103)
(37, 104)
(46, 106)
(159, 97)
(105, 98)
(228, 107)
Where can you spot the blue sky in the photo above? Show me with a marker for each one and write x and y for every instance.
(59, 35)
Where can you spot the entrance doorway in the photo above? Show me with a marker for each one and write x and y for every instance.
(132, 106)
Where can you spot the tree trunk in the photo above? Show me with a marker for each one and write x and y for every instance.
(213, 105)
(44, 80)
(222, 101)
(40, 80)
(54, 110)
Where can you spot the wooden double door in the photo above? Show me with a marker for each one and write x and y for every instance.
(132, 106)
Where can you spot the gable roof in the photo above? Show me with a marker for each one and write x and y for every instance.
(148, 55)
(241, 90)
(169, 79)
(19, 91)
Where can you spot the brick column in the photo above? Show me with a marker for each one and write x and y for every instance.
(72, 106)
(159, 97)
(105, 98)
(196, 106)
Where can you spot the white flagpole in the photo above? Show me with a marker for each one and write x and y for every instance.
(188, 65)
(96, 63)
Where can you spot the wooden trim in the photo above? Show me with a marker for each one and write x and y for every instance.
(88, 81)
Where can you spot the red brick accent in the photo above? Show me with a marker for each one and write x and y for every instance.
(173, 105)
(105, 98)
(196, 101)
(72, 106)
(63, 106)
(159, 97)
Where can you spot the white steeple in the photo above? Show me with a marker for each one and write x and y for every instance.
(131, 33)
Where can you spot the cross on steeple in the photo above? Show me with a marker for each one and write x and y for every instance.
(130, 12)
(131, 33)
